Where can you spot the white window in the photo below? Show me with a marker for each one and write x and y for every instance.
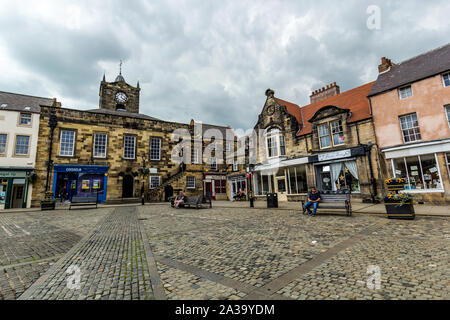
(420, 172)
(324, 136)
(155, 149)
(155, 182)
(22, 145)
(410, 128)
(3, 142)
(405, 92)
(129, 147)
(228, 146)
(25, 119)
(447, 111)
(100, 145)
(276, 144)
(190, 182)
(194, 156)
(338, 132)
(235, 165)
(213, 164)
(446, 79)
(67, 143)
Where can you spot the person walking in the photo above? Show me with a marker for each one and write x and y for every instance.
(313, 200)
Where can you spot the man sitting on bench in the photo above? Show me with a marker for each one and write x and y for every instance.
(179, 200)
(313, 200)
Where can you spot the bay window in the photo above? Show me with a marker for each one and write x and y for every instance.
(276, 144)
(420, 172)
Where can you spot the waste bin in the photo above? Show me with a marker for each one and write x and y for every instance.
(272, 200)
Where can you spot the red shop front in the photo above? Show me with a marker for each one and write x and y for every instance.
(215, 185)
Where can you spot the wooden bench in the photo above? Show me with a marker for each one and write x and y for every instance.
(190, 201)
(332, 201)
(83, 201)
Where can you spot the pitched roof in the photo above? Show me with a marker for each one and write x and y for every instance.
(355, 100)
(423, 66)
(222, 129)
(292, 108)
(18, 102)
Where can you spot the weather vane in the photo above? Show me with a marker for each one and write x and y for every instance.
(120, 66)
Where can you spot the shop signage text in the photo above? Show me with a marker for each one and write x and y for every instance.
(335, 155)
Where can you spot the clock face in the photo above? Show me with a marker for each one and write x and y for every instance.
(121, 97)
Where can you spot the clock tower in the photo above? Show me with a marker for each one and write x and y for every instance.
(119, 95)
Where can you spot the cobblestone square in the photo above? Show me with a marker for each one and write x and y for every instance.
(157, 252)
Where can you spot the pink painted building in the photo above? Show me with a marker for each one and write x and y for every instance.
(410, 103)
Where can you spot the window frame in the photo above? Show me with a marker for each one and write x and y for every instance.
(213, 160)
(187, 182)
(106, 145)
(124, 146)
(327, 124)
(159, 139)
(443, 79)
(274, 135)
(402, 130)
(20, 124)
(235, 165)
(28, 147)
(4, 154)
(402, 88)
(150, 182)
(194, 159)
(341, 125)
(73, 145)
(447, 113)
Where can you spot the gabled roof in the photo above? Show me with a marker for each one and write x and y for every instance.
(355, 100)
(18, 102)
(424, 66)
(292, 108)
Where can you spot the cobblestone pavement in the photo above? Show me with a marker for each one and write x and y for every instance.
(154, 251)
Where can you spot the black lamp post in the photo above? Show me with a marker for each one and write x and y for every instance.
(368, 149)
(250, 187)
(53, 122)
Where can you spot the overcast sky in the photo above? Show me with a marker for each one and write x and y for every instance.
(207, 60)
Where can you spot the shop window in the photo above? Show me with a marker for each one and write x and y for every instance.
(100, 145)
(129, 147)
(297, 180)
(405, 92)
(338, 132)
(155, 149)
(446, 79)
(22, 145)
(155, 182)
(420, 172)
(190, 182)
(220, 186)
(410, 128)
(67, 143)
(3, 141)
(339, 176)
(25, 119)
(324, 136)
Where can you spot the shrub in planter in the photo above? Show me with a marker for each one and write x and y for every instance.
(399, 206)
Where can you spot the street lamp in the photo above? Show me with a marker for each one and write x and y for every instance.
(53, 122)
(250, 187)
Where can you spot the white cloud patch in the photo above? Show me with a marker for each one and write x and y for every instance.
(207, 60)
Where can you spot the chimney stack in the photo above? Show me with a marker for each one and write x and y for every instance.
(331, 90)
(385, 65)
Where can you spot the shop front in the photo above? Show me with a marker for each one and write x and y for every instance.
(81, 181)
(425, 168)
(237, 185)
(14, 188)
(215, 186)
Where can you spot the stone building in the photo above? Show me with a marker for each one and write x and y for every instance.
(116, 153)
(329, 144)
(411, 112)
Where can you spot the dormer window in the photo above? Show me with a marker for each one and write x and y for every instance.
(405, 92)
(331, 134)
(276, 144)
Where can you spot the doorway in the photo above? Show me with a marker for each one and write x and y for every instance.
(168, 192)
(209, 190)
(128, 186)
(17, 196)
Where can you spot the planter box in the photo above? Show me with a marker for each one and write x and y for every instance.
(395, 186)
(48, 205)
(396, 210)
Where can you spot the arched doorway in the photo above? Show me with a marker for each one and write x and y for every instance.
(168, 192)
(128, 186)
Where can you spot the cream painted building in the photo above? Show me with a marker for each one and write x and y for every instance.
(19, 128)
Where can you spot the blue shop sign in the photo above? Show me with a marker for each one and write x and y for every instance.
(80, 169)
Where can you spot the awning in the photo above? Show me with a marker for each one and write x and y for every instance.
(417, 149)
